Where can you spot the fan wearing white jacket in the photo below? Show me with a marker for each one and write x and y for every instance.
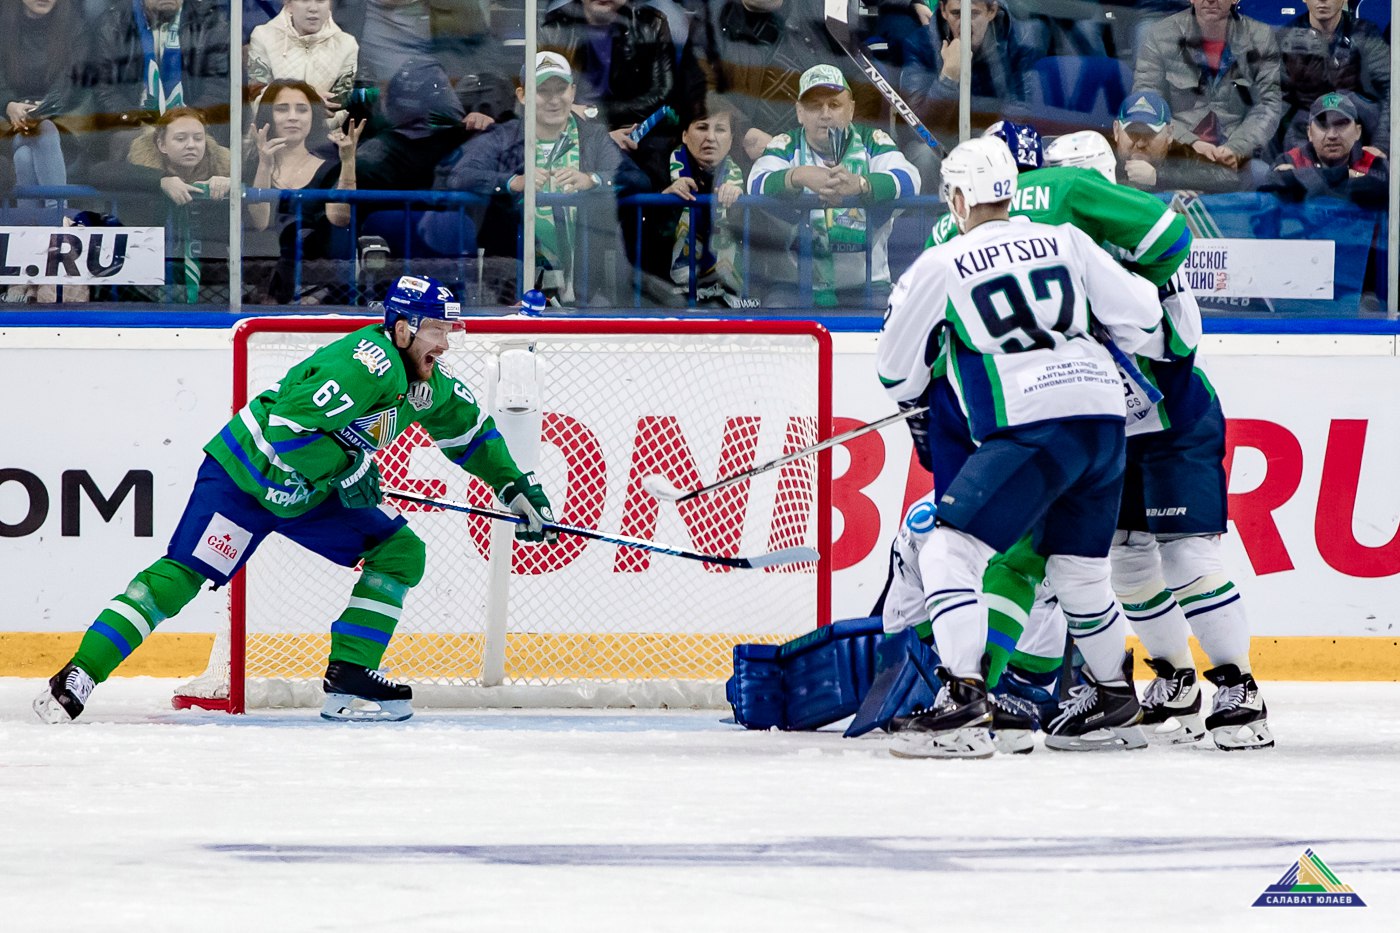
(303, 43)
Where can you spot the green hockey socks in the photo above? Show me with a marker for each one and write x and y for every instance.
(154, 595)
(361, 634)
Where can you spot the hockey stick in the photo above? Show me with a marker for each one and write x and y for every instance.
(787, 555)
(838, 14)
(662, 488)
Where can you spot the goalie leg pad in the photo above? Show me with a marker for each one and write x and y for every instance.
(806, 683)
(905, 681)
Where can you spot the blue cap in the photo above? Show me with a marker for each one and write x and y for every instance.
(413, 299)
(533, 302)
(1147, 108)
(1022, 139)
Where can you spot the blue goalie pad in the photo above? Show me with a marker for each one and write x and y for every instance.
(806, 683)
(905, 681)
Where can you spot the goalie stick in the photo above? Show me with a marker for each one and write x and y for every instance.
(787, 555)
(838, 14)
(662, 488)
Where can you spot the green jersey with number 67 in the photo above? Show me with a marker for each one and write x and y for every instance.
(283, 447)
(1005, 308)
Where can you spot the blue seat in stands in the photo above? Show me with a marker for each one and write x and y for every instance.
(1093, 85)
(1354, 231)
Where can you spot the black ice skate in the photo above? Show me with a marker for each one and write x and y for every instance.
(65, 696)
(358, 694)
(1171, 705)
(1098, 717)
(1238, 717)
(958, 726)
(1013, 731)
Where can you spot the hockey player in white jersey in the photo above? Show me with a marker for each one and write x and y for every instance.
(1004, 309)
(1167, 564)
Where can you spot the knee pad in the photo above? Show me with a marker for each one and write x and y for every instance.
(1136, 565)
(164, 588)
(1188, 561)
(402, 558)
(1080, 582)
(953, 559)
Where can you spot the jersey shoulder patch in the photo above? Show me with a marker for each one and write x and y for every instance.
(373, 357)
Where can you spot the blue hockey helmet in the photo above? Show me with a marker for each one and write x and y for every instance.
(1022, 139)
(415, 299)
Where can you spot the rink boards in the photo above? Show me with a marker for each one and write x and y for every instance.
(99, 461)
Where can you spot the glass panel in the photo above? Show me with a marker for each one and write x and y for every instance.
(1261, 123)
(365, 149)
(115, 114)
(681, 207)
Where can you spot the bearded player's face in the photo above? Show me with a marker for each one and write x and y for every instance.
(423, 348)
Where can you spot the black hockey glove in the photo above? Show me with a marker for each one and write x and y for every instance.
(525, 498)
(358, 484)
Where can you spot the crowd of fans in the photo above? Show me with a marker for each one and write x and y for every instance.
(718, 153)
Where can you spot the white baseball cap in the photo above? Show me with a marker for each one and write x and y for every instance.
(825, 76)
(552, 65)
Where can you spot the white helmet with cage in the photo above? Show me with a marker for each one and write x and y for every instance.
(1086, 149)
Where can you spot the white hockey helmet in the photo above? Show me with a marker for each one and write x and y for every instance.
(1086, 149)
(983, 169)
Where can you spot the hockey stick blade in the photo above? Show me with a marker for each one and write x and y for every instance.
(838, 14)
(789, 555)
(663, 489)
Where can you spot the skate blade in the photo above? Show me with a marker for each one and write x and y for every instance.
(1014, 741)
(1176, 730)
(1243, 738)
(1118, 738)
(970, 742)
(49, 710)
(341, 707)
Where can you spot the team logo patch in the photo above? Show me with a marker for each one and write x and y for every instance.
(420, 396)
(371, 432)
(921, 517)
(373, 356)
(222, 544)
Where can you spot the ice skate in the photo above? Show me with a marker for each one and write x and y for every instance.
(958, 726)
(1238, 717)
(1029, 699)
(1098, 717)
(65, 696)
(358, 694)
(1013, 730)
(1171, 705)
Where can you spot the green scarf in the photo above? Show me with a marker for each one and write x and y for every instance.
(716, 266)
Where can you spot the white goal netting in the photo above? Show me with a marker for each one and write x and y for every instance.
(496, 622)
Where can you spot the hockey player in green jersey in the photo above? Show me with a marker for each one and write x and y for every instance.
(298, 460)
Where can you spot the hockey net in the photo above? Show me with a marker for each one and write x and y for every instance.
(581, 623)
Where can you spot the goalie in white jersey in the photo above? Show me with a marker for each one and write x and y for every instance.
(1004, 309)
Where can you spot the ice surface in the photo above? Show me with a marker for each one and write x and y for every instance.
(141, 818)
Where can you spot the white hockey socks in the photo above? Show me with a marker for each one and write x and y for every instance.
(1208, 598)
(1086, 598)
(1148, 603)
(952, 563)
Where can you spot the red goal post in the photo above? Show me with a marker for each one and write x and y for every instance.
(581, 623)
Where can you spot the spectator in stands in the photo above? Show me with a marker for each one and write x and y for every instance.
(427, 123)
(178, 160)
(572, 155)
(625, 62)
(701, 169)
(1001, 63)
(1219, 73)
(1329, 49)
(1150, 159)
(289, 123)
(753, 53)
(150, 57)
(1333, 163)
(40, 50)
(303, 43)
(837, 160)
